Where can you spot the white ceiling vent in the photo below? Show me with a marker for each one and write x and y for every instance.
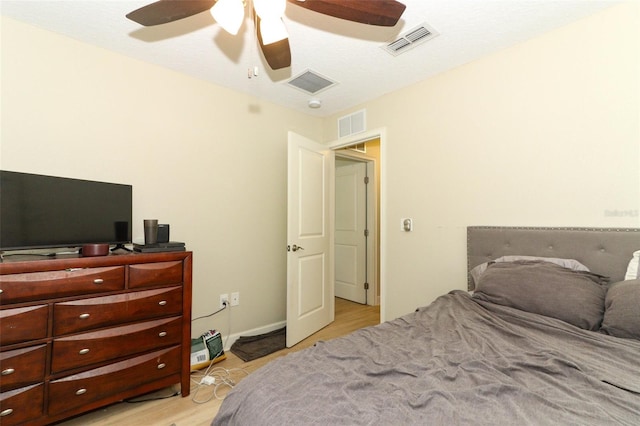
(311, 82)
(410, 39)
(352, 123)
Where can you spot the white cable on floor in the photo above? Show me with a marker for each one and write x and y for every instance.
(219, 376)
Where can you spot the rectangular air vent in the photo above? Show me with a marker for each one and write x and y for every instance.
(311, 82)
(352, 123)
(410, 39)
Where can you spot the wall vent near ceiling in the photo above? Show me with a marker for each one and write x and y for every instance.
(352, 123)
(410, 39)
(311, 82)
(359, 147)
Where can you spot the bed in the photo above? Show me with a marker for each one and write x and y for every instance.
(538, 339)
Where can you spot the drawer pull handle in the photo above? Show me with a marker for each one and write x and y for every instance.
(98, 281)
(161, 366)
(8, 371)
(81, 391)
(6, 412)
(83, 351)
(1, 291)
(162, 302)
(84, 316)
(162, 334)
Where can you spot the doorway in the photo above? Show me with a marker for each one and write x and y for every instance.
(357, 219)
(310, 263)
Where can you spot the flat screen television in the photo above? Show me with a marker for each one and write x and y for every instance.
(38, 211)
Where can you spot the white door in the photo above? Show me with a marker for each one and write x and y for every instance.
(310, 213)
(351, 224)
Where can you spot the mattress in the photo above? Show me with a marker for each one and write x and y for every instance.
(457, 361)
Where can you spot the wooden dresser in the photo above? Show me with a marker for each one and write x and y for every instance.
(78, 333)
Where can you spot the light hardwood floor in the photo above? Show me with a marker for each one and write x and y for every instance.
(186, 412)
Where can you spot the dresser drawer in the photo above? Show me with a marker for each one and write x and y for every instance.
(22, 367)
(21, 405)
(160, 273)
(23, 324)
(42, 285)
(86, 314)
(89, 348)
(93, 385)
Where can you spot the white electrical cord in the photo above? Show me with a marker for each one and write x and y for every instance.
(219, 377)
(216, 376)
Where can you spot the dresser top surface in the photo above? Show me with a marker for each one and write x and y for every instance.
(36, 263)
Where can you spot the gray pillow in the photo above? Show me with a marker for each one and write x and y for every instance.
(544, 288)
(622, 310)
(567, 263)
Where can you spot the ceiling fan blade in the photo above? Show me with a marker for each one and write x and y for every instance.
(385, 13)
(164, 11)
(278, 54)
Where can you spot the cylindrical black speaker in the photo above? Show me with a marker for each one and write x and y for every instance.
(163, 233)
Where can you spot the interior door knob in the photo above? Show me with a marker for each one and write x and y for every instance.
(296, 248)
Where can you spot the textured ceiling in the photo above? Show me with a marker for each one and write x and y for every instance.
(348, 53)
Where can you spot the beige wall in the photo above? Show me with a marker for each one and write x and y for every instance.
(546, 133)
(206, 160)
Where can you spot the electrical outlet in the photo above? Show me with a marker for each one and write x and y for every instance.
(224, 298)
(235, 298)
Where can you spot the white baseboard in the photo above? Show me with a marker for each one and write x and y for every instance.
(230, 340)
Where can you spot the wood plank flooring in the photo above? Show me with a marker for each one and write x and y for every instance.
(186, 412)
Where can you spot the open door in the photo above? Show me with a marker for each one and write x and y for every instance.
(310, 221)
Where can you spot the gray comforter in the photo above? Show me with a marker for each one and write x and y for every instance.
(457, 361)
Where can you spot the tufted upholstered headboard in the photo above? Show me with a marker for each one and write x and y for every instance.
(605, 251)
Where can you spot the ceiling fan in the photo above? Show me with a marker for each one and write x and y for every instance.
(270, 30)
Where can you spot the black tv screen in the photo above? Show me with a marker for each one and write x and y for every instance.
(39, 211)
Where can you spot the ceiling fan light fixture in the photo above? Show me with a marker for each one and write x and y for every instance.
(272, 30)
(229, 14)
(268, 9)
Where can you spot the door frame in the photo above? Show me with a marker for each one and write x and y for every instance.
(372, 221)
(380, 133)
